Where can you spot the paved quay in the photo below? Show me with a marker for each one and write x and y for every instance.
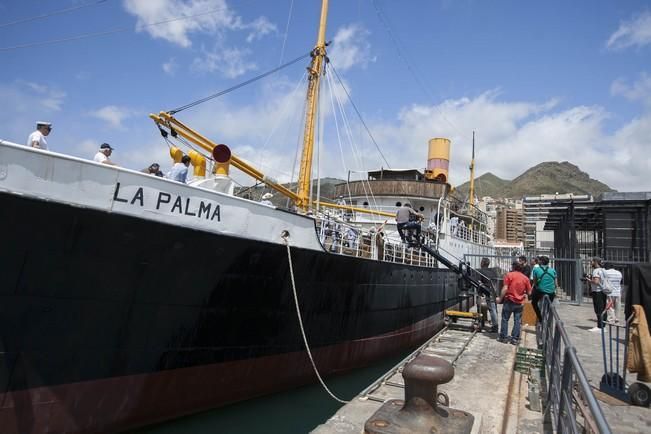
(622, 417)
(484, 385)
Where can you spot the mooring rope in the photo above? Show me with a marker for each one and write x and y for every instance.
(284, 236)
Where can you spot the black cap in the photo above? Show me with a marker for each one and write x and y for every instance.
(105, 146)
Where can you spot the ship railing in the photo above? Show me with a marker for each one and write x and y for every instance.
(466, 233)
(344, 239)
(570, 404)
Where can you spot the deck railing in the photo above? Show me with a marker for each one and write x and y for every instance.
(344, 239)
(570, 407)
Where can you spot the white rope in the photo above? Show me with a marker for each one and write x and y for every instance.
(300, 322)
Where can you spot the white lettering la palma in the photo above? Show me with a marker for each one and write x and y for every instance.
(174, 204)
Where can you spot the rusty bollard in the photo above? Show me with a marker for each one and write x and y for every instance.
(421, 411)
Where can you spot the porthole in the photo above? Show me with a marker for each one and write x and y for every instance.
(422, 208)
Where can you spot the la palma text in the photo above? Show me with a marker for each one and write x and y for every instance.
(171, 203)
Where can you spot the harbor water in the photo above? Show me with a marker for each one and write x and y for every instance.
(295, 411)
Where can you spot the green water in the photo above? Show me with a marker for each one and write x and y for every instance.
(296, 411)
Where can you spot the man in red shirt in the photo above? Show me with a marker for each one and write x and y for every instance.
(514, 294)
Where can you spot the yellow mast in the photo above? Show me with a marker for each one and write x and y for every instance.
(314, 71)
(471, 200)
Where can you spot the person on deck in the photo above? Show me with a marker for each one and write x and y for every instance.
(545, 282)
(37, 138)
(266, 199)
(513, 296)
(153, 169)
(102, 156)
(599, 297)
(404, 220)
(179, 171)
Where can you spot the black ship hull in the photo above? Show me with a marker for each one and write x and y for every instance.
(108, 321)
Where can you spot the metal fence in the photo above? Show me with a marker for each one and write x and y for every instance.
(569, 271)
(570, 405)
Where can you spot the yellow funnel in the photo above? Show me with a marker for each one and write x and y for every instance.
(438, 160)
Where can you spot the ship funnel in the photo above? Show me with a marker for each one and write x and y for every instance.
(438, 160)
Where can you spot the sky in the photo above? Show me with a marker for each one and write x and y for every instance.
(536, 81)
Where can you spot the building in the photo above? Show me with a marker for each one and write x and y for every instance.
(617, 227)
(535, 210)
(509, 225)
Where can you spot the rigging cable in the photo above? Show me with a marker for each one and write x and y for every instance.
(51, 14)
(108, 32)
(341, 83)
(237, 86)
(416, 77)
(289, 19)
(284, 236)
(357, 155)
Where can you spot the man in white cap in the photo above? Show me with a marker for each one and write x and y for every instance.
(37, 138)
(266, 199)
(103, 155)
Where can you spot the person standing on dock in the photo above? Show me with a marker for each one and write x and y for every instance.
(37, 138)
(615, 279)
(599, 297)
(545, 282)
(514, 294)
(486, 276)
(525, 268)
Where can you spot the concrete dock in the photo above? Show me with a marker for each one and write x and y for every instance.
(486, 385)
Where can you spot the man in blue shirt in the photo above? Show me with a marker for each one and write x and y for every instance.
(179, 171)
(545, 282)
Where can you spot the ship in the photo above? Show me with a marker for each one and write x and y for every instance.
(129, 299)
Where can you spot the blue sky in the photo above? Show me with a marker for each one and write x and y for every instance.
(544, 81)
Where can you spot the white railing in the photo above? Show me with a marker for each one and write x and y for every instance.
(344, 239)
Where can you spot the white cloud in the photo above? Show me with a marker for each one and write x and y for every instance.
(640, 90)
(207, 16)
(260, 27)
(113, 115)
(24, 103)
(170, 67)
(633, 33)
(351, 47)
(231, 62)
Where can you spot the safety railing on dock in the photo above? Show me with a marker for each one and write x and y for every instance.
(570, 406)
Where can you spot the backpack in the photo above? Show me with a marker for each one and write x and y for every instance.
(606, 286)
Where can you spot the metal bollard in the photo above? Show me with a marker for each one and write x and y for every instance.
(421, 411)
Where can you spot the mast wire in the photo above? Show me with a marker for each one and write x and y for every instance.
(51, 14)
(289, 19)
(108, 32)
(237, 86)
(404, 58)
(341, 83)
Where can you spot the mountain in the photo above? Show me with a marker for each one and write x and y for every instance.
(255, 193)
(545, 178)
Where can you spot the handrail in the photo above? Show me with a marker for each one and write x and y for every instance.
(564, 373)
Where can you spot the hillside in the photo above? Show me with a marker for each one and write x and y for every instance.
(545, 178)
(255, 193)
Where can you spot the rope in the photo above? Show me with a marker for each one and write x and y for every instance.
(51, 14)
(237, 86)
(284, 236)
(341, 83)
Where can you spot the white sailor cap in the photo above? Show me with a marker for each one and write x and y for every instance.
(267, 196)
(43, 124)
